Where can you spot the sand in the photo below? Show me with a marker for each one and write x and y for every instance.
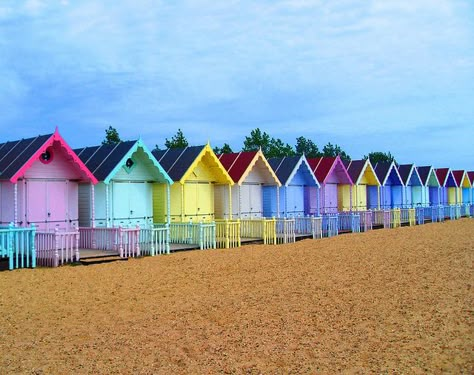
(386, 301)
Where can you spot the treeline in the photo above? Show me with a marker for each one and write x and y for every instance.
(270, 146)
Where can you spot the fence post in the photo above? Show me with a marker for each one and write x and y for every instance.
(138, 240)
(168, 239)
(33, 245)
(56, 248)
(10, 246)
(120, 240)
(77, 245)
(201, 244)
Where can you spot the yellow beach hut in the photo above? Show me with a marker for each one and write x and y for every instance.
(190, 211)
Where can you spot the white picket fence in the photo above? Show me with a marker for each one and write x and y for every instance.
(57, 248)
(123, 240)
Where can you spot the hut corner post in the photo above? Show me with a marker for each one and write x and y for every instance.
(278, 202)
(230, 201)
(92, 203)
(107, 217)
(168, 221)
(15, 202)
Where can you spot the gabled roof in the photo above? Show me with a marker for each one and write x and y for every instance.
(461, 178)
(407, 171)
(179, 163)
(470, 175)
(357, 168)
(240, 164)
(105, 160)
(443, 175)
(323, 168)
(384, 169)
(16, 157)
(425, 174)
(287, 167)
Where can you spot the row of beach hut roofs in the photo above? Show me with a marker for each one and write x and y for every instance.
(59, 205)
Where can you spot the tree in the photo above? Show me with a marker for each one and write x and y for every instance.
(278, 149)
(257, 140)
(271, 147)
(111, 136)
(377, 156)
(177, 141)
(226, 149)
(331, 150)
(307, 147)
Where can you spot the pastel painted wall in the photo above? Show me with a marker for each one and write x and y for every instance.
(452, 196)
(329, 201)
(7, 203)
(49, 204)
(391, 196)
(466, 196)
(343, 197)
(359, 197)
(270, 201)
(435, 195)
(312, 196)
(372, 197)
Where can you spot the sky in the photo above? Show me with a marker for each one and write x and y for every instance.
(388, 75)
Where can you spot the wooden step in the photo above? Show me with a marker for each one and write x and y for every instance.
(101, 259)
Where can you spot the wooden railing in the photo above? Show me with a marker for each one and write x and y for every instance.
(348, 222)
(57, 248)
(408, 216)
(330, 225)
(309, 225)
(285, 230)
(382, 218)
(155, 241)
(420, 215)
(366, 220)
(466, 210)
(123, 240)
(18, 245)
(263, 228)
(202, 234)
(228, 233)
(395, 218)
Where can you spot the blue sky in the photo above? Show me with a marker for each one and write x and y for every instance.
(386, 75)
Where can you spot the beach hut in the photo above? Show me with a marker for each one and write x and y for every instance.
(298, 181)
(448, 186)
(127, 173)
(196, 171)
(413, 187)
(430, 186)
(336, 184)
(39, 183)
(391, 190)
(365, 193)
(251, 174)
(463, 190)
(470, 176)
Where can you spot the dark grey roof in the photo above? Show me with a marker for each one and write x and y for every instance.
(354, 169)
(14, 154)
(102, 160)
(381, 170)
(176, 161)
(404, 171)
(284, 167)
(424, 173)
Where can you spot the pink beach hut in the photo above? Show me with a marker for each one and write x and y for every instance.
(39, 183)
